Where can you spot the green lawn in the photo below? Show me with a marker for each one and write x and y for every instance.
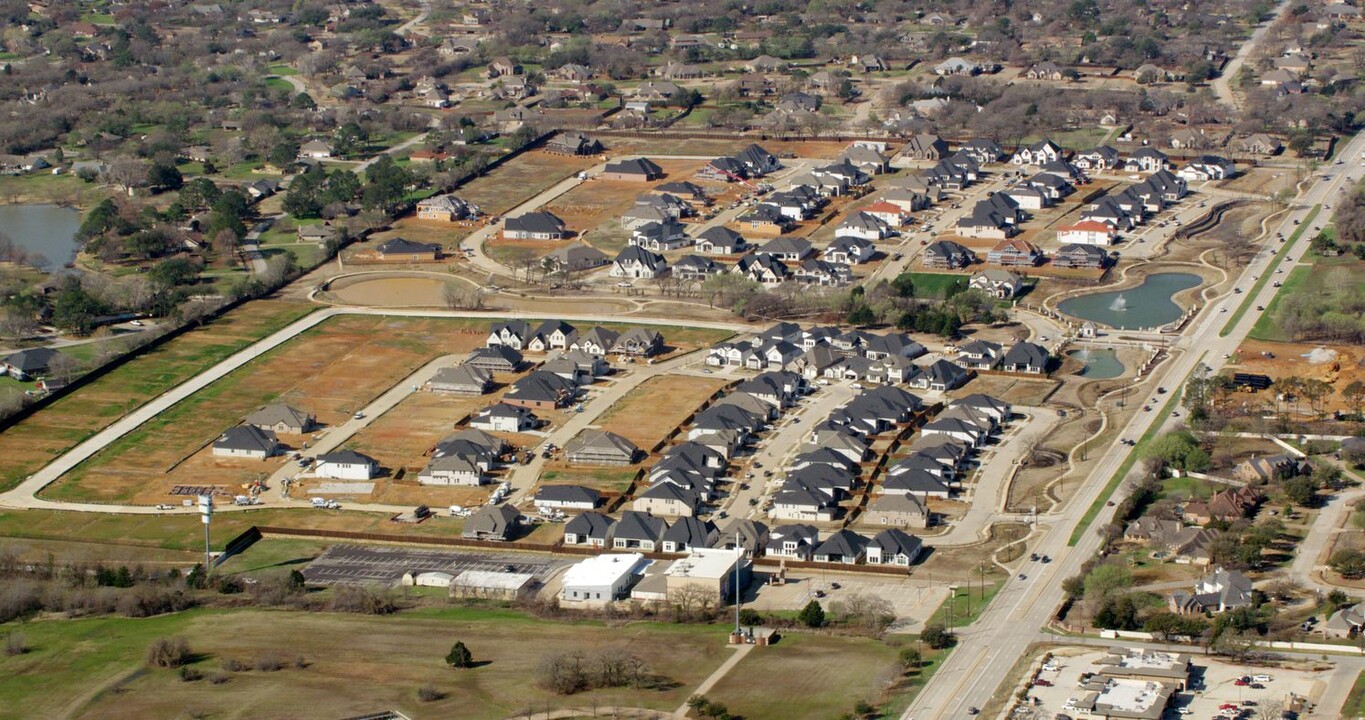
(966, 603)
(1265, 278)
(1266, 327)
(934, 285)
(1127, 465)
(808, 677)
(283, 69)
(1355, 702)
(74, 665)
(1187, 487)
(281, 84)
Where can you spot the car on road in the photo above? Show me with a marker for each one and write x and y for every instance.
(624, 284)
(358, 415)
(707, 371)
(164, 506)
(1046, 559)
(135, 323)
(1023, 576)
(973, 710)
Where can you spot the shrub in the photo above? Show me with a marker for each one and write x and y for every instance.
(911, 658)
(936, 636)
(459, 656)
(750, 616)
(218, 678)
(426, 693)
(270, 662)
(169, 652)
(190, 674)
(234, 665)
(812, 615)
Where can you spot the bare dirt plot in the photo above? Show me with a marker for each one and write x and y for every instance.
(1339, 365)
(331, 371)
(1011, 389)
(41, 437)
(652, 411)
(521, 179)
(1265, 180)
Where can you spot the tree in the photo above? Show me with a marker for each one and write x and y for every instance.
(1180, 450)
(169, 653)
(911, 658)
(1348, 562)
(936, 636)
(460, 657)
(1117, 613)
(812, 615)
(1106, 580)
(164, 176)
(861, 315)
(1301, 490)
(1354, 394)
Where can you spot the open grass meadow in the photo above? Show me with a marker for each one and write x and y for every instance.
(37, 439)
(351, 664)
(809, 677)
(647, 414)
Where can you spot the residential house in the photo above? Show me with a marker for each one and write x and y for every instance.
(1264, 468)
(1146, 159)
(957, 66)
(1087, 232)
(843, 546)
(1207, 167)
(1028, 197)
(246, 441)
(567, 497)
(940, 376)
(1230, 504)
(1345, 623)
(1218, 592)
(1039, 153)
(906, 511)
(573, 143)
(403, 250)
(1015, 253)
(925, 147)
(638, 262)
(864, 225)
(498, 358)
(315, 150)
(281, 418)
(492, 522)
(849, 250)
(640, 342)
(894, 547)
(600, 447)
(638, 531)
(346, 465)
(1000, 284)
(869, 160)
(689, 533)
(1102, 157)
(1080, 256)
(739, 533)
(503, 417)
(632, 170)
(575, 258)
(503, 66)
(541, 390)
(534, 226)
(446, 208)
(595, 341)
(720, 240)
(1025, 357)
(1189, 139)
(590, 528)
(803, 505)
(1260, 144)
(946, 254)
(661, 236)
(980, 354)
(792, 541)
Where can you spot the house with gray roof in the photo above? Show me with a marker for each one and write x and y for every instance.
(282, 418)
(600, 447)
(893, 546)
(750, 535)
(590, 528)
(463, 379)
(576, 257)
(633, 170)
(687, 534)
(1025, 357)
(346, 465)
(720, 240)
(566, 497)
(921, 484)
(534, 226)
(792, 541)
(246, 441)
(667, 499)
(492, 522)
(1217, 592)
(541, 390)
(905, 511)
(941, 376)
(640, 342)
(803, 505)
(498, 358)
(843, 546)
(638, 262)
(28, 364)
(638, 531)
(503, 417)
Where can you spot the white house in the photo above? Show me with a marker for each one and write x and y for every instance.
(1087, 232)
(346, 465)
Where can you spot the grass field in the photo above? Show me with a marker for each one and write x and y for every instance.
(1321, 279)
(1355, 702)
(808, 677)
(37, 439)
(647, 414)
(967, 603)
(1265, 278)
(95, 668)
(518, 181)
(935, 285)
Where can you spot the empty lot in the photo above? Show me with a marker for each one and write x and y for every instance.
(365, 564)
(649, 413)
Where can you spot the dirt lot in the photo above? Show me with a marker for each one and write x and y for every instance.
(37, 439)
(330, 371)
(649, 413)
(1014, 390)
(718, 146)
(521, 179)
(1339, 365)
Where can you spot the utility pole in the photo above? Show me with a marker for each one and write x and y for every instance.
(739, 558)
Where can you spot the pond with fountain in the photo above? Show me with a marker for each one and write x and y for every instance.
(1098, 364)
(1149, 305)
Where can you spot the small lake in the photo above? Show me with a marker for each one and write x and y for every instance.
(1099, 364)
(47, 230)
(1148, 305)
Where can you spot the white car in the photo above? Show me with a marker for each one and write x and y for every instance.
(1261, 678)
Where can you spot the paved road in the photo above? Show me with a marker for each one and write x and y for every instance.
(989, 648)
(24, 495)
(1222, 85)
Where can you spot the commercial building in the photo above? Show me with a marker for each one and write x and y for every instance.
(602, 579)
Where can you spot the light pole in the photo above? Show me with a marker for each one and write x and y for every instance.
(205, 514)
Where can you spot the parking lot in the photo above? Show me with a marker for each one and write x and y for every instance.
(375, 564)
(914, 601)
(1213, 688)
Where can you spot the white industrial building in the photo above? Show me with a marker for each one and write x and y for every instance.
(602, 579)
